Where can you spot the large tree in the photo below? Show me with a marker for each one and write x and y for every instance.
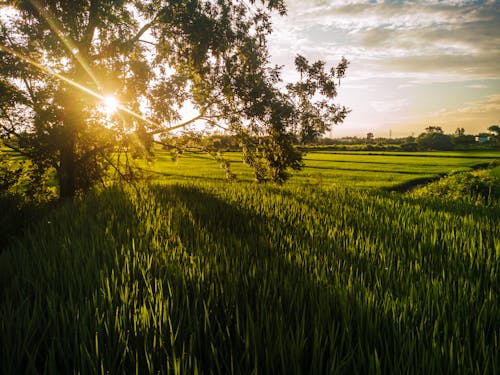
(496, 130)
(60, 60)
(434, 139)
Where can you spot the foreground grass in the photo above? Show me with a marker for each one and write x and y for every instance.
(201, 277)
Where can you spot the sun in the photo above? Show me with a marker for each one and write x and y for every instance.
(111, 105)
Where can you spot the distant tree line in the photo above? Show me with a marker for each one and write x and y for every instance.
(433, 138)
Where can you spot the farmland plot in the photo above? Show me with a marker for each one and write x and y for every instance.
(352, 169)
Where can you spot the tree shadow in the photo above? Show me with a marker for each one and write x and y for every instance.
(371, 162)
(18, 217)
(379, 171)
(247, 289)
(326, 327)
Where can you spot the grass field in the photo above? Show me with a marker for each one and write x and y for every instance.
(353, 169)
(194, 275)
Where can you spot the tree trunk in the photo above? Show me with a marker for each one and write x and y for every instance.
(67, 173)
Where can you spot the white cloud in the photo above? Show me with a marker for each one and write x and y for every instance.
(491, 104)
(391, 35)
(389, 106)
(406, 48)
(477, 86)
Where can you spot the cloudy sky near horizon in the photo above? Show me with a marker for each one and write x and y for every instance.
(412, 63)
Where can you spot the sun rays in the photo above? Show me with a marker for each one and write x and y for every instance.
(109, 103)
(106, 103)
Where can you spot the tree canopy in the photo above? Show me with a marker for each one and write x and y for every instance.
(496, 130)
(434, 139)
(61, 59)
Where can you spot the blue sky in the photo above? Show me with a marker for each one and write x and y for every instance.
(413, 63)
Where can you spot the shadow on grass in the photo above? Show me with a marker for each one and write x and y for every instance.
(243, 291)
(413, 183)
(374, 162)
(18, 217)
(299, 325)
(409, 154)
(380, 171)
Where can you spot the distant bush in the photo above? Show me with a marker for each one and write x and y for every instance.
(463, 140)
(434, 141)
(23, 179)
(24, 198)
(352, 147)
(478, 187)
(409, 146)
(9, 174)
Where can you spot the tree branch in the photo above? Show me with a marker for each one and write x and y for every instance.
(91, 26)
(129, 43)
(24, 77)
(14, 148)
(147, 41)
(92, 152)
(194, 119)
(141, 32)
(126, 45)
(9, 131)
(214, 123)
(117, 170)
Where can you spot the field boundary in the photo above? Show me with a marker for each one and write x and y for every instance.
(421, 181)
(405, 154)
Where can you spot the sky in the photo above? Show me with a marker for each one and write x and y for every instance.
(412, 63)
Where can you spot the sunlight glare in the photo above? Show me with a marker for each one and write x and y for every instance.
(111, 104)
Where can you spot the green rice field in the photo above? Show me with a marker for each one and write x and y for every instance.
(353, 169)
(330, 273)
